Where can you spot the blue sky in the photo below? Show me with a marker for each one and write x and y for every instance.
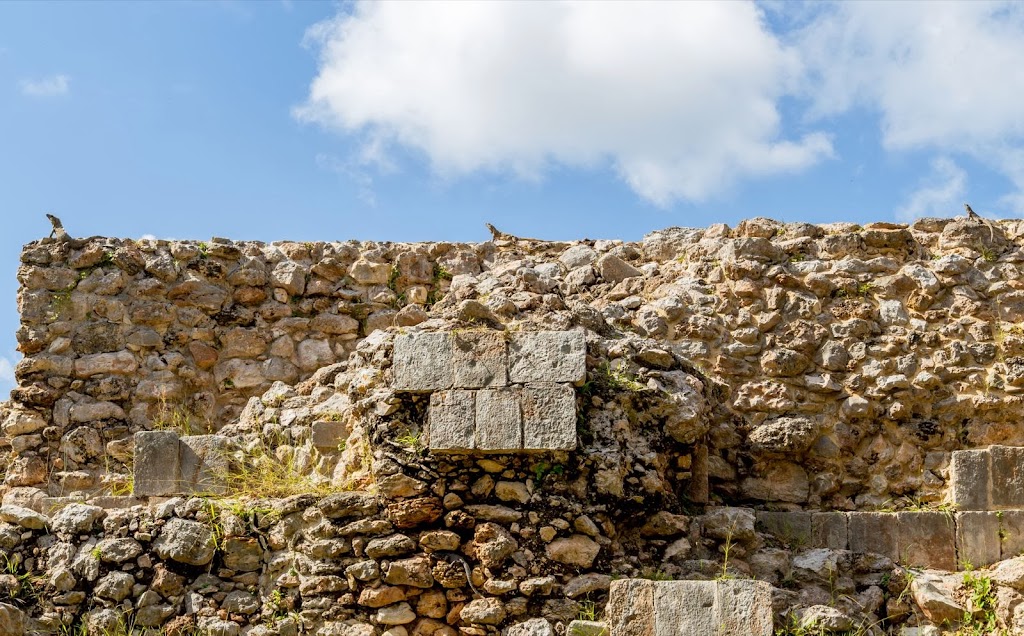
(421, 121)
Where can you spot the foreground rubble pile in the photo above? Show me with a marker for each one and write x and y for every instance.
(521, 436)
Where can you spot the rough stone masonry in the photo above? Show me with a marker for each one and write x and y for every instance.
(773, 428)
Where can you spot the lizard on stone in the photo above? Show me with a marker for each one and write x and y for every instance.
(498, 235)
(58, 228)
(456, 558)
(974, 216)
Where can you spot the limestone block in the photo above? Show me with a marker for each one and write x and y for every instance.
(970, 479)
(205, 463)
(792, 528)
(744, 607)
(450, 422)
(479, 359)
(1007, 464)
(977, 538)
(688, 609)
(829, 530)
(156, 468)
(639, 607)
(1011, 526)
(549, 417)
(499, 426)
(329, 434)
(927, 539)
(547, 356)
(630, 609)
(423, 362)
(875, 533)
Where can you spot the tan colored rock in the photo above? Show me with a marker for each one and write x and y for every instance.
(579, 550)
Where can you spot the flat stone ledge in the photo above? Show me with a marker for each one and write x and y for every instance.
(639, 607)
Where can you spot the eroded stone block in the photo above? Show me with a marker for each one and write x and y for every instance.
(874, 532)
(479, 359)
(688, 609)
(630, 609)
(927, 539)
(205, 463)
(422, 362)
(744, 607)
(792, 528)
(451, 421)
(549, 417)
(328, 434)
(1011, 533)
(1007, 465)
(829, 530)
(547, 356)
(156, 468)
(970, 479)
(977, 539)
(499, 425)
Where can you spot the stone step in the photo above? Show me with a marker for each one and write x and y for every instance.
(640, 607)
(928, 539)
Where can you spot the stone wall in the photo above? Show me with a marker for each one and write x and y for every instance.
(808, 405)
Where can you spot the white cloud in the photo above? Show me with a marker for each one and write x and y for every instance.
(941, 193)
(53, 86)
(679, 98)
(942, 75)
(6, 377)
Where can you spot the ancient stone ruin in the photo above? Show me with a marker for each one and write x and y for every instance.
(774, 429)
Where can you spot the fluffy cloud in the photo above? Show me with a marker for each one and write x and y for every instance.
(6, 377)
(941, 193)
(680, 98)
(943, 75)
(54, 86)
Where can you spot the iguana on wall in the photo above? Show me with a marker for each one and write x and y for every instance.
(58, 232)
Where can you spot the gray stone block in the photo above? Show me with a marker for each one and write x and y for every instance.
(744, 607)
(451, 421)
(549, 417)
(977, 539)
(479, 359)
(1011, 533)
(547, 356)
(156, 468)
(638, 607)
(927, 539)
(205, 462)
(686, 609)
(874, 533)
(329, 434)
(829, 530)
(422, 362)
(499, 422)
(970, 479)
(630, 608)
(792, 528)
(1007, 464)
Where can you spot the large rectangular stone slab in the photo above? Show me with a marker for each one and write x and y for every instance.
(547, 356)
(499, 422)
(1007, 477)
(451, 421)
(1011, 533)
(970, 479)
(977, 539)
(744, 607)
(205, 462)
(549, 417)
(630, 608)
(479, 359)
(689, 608)
(875, 533)
(792, 528)
(422, 362)
(927, 539)
(156, 470)
(829, 530)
